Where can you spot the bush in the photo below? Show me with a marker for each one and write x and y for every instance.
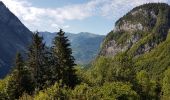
(25, 96)
(166, 85)
(109, 91)
(56, 92)
(3, 91)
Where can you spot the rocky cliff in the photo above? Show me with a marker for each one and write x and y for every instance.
(139, 31)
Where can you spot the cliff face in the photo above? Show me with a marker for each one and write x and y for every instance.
(139, 31)
(14, 36)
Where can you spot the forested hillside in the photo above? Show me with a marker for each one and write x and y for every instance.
(133, 64)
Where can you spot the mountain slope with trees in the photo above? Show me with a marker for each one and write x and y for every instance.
(143, 35)
(133, 64)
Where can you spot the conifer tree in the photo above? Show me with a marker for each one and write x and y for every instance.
(63, 53)
(20, 80)
(37, 61)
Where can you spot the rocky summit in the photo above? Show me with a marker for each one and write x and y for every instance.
(139, 31)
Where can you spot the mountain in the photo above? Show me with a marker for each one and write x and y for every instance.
(144, 35)
(14, 36)
(133, 63)
(85, 45)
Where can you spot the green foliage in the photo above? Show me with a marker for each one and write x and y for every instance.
(119, 68)
(123, 67)
(13, 87)
(55, 92)
(20, 80)
(100, 70)
(118, 90)
(143, 79)
(82, 74)
(146, 88)
(82, 92)
(166, 85)
(109, 91)
(156, 61)
(26, 96)
(3, 90)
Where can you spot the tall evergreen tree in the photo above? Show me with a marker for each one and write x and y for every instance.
(63, 53)
(20, 80)
(37, 61)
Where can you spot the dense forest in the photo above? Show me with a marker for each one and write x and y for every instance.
(135, 73)
(51, 74)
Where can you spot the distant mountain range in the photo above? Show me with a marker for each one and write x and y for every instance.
(16, 37)
(85, 45)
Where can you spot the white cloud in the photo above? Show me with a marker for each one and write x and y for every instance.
(49, 18)
(54, 25)
(117, 8)
(37, 17)
(66, 26)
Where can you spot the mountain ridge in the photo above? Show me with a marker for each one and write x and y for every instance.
(141, 35)
(85, 45)
(144, 21)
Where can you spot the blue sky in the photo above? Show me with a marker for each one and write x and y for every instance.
(56, 3)
(95, 16)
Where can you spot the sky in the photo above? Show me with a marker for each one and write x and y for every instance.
(94, 16)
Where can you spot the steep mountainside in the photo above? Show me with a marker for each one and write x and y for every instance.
(14, 36)
(85, 45)
(138, 31)
(142, 34)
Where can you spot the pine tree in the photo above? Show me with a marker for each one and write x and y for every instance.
(38, 61)
(20, 80)
(53, 68)
(63, 54)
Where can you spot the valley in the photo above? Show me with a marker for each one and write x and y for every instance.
(132, 62)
